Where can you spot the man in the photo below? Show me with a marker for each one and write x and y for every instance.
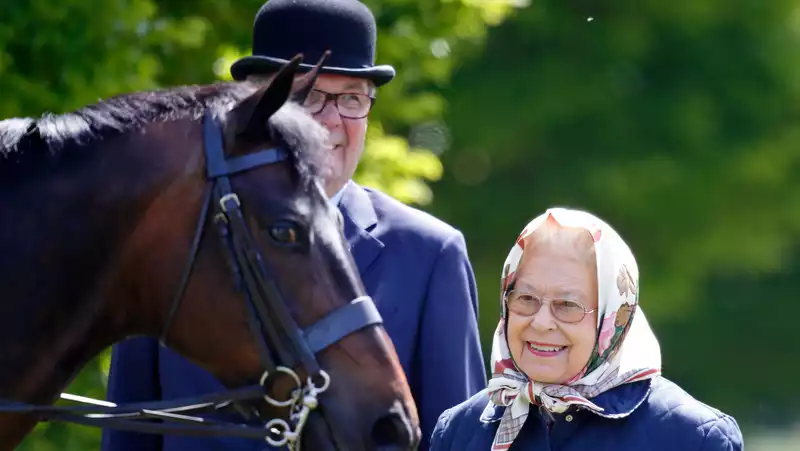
(414, 265)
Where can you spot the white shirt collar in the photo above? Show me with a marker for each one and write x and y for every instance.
(338, 196)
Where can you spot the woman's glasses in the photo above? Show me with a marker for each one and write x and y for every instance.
(564, 310)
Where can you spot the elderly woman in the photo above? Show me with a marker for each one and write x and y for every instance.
(576, 366)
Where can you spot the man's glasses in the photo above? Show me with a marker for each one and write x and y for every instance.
(349, 104)
(564, 310)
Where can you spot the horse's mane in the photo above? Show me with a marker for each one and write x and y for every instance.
(26, 143)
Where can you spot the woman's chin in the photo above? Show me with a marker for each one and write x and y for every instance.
(544, 372)
(544, 377)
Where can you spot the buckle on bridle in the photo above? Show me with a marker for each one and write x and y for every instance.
(223, 201)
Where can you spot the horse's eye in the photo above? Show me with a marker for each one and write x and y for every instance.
(285, 233)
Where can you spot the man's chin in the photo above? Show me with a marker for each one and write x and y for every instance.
(335, 179)
(331, 189)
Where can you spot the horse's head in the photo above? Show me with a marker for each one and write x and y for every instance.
(270, 284)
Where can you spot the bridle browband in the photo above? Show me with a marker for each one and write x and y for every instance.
(282, 344)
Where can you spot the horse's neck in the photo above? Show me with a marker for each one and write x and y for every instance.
(62, 237)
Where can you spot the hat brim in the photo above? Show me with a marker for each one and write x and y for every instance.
(254, 65)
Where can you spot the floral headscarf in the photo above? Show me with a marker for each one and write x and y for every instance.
(625, 351)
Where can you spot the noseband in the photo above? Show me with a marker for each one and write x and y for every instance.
(283, 345)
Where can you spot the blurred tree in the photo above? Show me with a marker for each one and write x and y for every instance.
(55, 57)
(678, 123)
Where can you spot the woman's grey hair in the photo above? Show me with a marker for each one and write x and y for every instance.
(553, 233)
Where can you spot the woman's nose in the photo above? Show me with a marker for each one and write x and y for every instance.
(543, 319)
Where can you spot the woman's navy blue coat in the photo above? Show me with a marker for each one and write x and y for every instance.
(652, 415)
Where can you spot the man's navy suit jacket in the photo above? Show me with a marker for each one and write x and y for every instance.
(416, 269)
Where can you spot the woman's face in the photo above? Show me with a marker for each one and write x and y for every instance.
(548, 349)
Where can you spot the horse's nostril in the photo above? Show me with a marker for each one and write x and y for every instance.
(391, 431)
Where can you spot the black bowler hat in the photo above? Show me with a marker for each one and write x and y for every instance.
(284, 28)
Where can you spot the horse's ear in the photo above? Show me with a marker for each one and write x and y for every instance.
(304, 85)
(253, 112)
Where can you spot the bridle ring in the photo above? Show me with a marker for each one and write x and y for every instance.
(326, 378)
(295, 392)
(277, 427)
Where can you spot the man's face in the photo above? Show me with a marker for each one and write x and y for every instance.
(346, 135)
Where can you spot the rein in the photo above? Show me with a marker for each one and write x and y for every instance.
(268, 318)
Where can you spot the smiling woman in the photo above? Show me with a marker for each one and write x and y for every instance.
(576, 365)
(559, 272)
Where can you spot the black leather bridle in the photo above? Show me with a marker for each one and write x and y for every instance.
(282, 344)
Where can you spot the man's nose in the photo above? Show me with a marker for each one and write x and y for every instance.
(329, 116)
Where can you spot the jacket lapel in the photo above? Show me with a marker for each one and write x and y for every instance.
(359, 220)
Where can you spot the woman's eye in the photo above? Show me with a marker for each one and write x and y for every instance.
(568, 305)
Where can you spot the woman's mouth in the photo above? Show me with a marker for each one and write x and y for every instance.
(544, 349)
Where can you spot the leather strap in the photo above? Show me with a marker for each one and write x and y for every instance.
(357, 315)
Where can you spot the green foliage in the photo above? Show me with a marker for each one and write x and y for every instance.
(90, 382)
(390, 165)
(675, 121)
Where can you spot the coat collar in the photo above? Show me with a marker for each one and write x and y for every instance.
(360, 221)
(618, 402)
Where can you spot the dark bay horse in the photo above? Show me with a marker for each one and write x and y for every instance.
(195, 215)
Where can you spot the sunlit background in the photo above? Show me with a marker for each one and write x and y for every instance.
(676, 121)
